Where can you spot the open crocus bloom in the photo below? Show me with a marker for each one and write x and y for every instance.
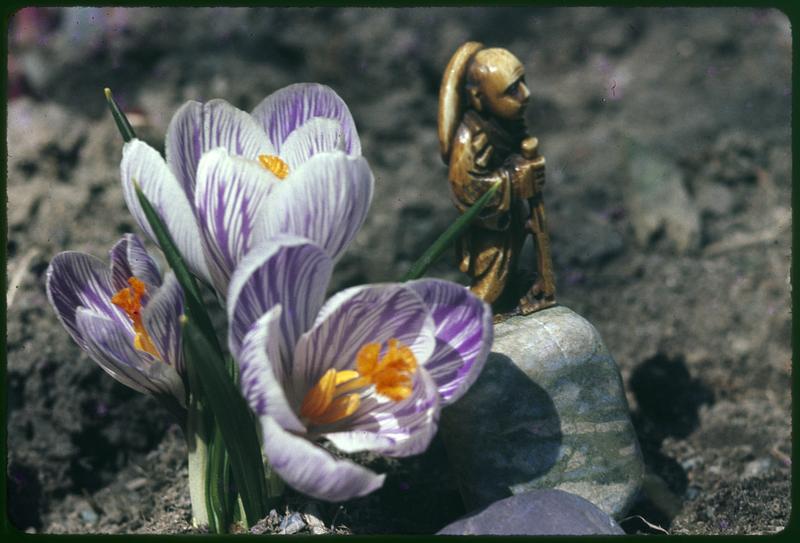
(124, 316)
(233, 179)
(367, 370)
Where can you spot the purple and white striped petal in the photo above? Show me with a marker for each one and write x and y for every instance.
(198, 128)
(312, 470)
(161, 320)
(464, 333)
(318, 135)
(77, 280)
(326, 201)
(392, 428)
(261, 388)
(111, 346)
(355, 317)
(282, 112)
(229, 199)
(289, 271)
(143, 164)
(129, 259)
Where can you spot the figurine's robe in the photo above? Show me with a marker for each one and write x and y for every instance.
(488, 249)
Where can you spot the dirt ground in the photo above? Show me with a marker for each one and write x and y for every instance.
(700, 325)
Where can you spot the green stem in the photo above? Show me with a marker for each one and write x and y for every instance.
(455, 229)
(216, 482)
(197, 444)
(233, 419)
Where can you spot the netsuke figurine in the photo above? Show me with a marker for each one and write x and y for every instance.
(483, 139)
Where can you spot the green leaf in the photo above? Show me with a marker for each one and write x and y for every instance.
(449, 236)
(234, 420)
(123, 124)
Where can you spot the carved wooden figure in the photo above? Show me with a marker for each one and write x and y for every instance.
(483, 138)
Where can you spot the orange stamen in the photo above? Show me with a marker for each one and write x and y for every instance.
(335, 395)
(129, 299)
(392, 374)
(274, 164)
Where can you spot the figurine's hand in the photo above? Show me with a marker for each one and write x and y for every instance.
(527, 176)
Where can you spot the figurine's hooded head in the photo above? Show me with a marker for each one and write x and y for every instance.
(488, 80)
(496, 83)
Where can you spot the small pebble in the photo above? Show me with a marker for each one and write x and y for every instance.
(757, 467)
(311, 516)
(136, 484)
(691, 463)
(292, 524)
(89, 517)
(312, 521)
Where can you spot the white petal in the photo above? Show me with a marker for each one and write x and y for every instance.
(161, 320)
(289, 271)
(326, 201)
(112, 348)
(318, 135)
(143, 164)
(312, 470)
(229, 200)
(198, 128)
(76, 280)
(289, 108)
(464, 333)
(259, 356)
(130, 259)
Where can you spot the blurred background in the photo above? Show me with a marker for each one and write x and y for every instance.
(685, 271)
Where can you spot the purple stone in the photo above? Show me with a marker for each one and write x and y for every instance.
(538, 512)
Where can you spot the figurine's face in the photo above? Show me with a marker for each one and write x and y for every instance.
(502, 83)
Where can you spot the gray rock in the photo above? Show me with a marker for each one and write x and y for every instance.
(548, 411)
(538, 512)
(657, 199)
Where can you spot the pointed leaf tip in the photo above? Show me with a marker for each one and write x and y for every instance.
(123, 124)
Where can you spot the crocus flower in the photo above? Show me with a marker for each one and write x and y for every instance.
(367, 370)
(233, 179)
(124, 316)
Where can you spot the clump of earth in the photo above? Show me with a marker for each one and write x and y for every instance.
(687, 280)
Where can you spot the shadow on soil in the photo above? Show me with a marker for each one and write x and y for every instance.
(668, 402)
